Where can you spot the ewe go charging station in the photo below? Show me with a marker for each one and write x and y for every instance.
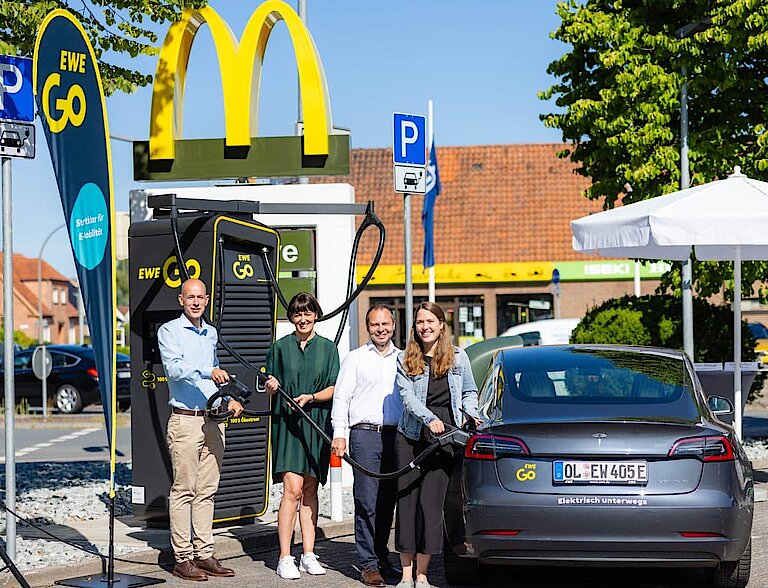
(228, 247)
(225, 236)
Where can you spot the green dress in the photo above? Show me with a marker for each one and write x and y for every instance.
(296, 447)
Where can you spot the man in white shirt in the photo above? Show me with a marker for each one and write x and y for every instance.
(367, 407)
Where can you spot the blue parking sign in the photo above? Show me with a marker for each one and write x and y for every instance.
(410, 144)
(17, 101)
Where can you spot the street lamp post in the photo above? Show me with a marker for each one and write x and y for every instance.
(40, 331)
(686, 276)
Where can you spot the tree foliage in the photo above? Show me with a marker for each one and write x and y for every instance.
(121, 279)
(656, 321)
(113, 26)
(619, 91)
(19, 337)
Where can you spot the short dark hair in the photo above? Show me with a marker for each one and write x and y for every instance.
(380, 306)
(304, 302)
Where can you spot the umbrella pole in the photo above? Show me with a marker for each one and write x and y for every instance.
(737, 339)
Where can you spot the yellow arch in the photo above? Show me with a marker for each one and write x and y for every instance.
(240, 66)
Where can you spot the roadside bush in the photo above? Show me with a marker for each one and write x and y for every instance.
(657, 321)
(19, 337)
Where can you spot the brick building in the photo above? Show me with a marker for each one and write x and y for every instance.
(59, 308)
(501, 228)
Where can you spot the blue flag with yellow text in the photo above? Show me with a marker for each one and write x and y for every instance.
(428, 211)
(70, 100)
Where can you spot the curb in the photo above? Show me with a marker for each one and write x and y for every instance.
(227, 547)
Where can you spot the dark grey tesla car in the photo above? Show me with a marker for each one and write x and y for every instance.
(603, 456)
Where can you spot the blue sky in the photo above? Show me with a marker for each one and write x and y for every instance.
(482, 63)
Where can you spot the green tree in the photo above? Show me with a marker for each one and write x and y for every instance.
(113, 26)
(19, 337)
(618, 92)
(121, 277)
(656, 321)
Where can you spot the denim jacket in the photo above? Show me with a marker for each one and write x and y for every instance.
(413, 391)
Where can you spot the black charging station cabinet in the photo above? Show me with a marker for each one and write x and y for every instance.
(223, 247)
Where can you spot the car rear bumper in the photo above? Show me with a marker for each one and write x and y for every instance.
(595, 534)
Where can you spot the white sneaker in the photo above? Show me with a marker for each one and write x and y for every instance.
(310, 565)
(286, 568)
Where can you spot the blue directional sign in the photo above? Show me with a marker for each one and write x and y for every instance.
(17, 102)
(410, 144)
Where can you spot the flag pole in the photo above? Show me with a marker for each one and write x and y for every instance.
(430, 139)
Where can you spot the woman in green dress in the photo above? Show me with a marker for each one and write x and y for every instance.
(305, 365)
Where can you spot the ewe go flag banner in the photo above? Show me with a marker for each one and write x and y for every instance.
(70, 100)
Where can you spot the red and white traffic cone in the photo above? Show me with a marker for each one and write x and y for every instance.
(337, 510)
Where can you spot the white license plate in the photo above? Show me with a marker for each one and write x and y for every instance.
(123, 374)
(600, 472)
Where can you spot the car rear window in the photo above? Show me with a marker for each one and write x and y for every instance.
(63, 359)
(573, 383)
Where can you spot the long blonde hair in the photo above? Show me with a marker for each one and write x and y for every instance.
(443, 358)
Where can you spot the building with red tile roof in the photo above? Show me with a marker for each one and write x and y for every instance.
(60, 316)
(501, 228)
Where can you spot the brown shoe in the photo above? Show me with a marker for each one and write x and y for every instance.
(212, 567)
(186, 570)
(372, 577)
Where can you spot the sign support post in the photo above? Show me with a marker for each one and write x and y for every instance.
(17, 139)
(407, 265)
(10, 399)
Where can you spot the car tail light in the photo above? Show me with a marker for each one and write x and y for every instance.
(494, 447)
(499, 532)
(713, 448)
(92, 372)
(698, 534)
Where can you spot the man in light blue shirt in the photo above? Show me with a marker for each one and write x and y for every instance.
(195, 442)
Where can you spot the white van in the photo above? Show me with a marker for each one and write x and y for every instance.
(544, 332)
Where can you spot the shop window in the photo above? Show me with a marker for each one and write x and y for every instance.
(514, 309)
(463, 314)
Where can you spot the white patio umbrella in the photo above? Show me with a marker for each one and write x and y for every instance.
(725, 220)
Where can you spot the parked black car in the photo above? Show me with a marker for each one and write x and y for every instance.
(74, 380)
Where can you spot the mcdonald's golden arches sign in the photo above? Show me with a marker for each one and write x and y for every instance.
(241, 153)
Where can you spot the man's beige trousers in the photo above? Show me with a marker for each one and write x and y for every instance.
(196, 445)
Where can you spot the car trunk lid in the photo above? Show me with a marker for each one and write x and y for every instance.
(627, 458)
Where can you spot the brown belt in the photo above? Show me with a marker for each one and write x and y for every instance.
(197, 413)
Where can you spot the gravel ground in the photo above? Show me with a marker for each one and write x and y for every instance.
(756, 448)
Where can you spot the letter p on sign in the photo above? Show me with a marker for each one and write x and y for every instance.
(410, 139)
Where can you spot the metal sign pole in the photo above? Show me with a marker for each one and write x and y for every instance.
(10, 397)
(407, 266)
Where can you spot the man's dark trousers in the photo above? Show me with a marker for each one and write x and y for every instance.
(374, 499)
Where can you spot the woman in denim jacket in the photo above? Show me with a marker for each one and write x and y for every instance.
(437, 387)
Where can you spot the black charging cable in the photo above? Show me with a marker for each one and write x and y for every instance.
(370, 220)
(450, 436)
